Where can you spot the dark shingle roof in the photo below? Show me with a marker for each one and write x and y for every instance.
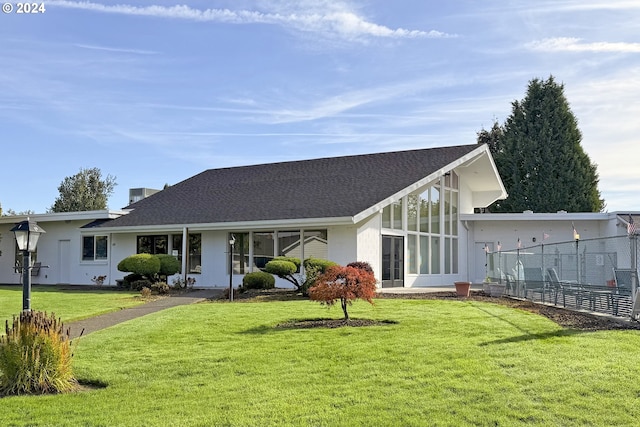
(321, 188)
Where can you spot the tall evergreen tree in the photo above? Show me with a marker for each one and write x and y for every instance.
(538, 154)
(84, 191)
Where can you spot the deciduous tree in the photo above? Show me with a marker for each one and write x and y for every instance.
(84, 191)
(344, 284)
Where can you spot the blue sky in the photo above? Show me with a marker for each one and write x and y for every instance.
(155, 92)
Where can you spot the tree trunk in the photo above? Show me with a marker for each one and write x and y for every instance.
(343, 302)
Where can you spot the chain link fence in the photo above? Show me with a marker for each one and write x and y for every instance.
(599, 275)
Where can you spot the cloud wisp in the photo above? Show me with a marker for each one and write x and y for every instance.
(569, 44)
(342, 23)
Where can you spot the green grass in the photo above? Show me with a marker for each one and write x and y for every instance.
(445, 363)
(68, 305)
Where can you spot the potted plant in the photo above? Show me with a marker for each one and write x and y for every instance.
(463, 288)
(486, 284)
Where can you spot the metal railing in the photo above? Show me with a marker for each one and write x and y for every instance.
(599, 275)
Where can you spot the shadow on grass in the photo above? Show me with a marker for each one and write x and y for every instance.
(318, 323)
(527, 336)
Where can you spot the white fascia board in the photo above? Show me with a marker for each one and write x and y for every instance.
(469, 158)
(528, 216)
(65, 216)
(280, 224)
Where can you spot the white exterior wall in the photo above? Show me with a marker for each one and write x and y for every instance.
(369, 241)
(60, 248)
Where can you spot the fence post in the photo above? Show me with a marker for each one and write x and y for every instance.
(633, 246)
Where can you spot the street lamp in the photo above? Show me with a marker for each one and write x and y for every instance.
(27, 234)
(232, 242)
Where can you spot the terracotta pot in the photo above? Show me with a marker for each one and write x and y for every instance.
(463, 288)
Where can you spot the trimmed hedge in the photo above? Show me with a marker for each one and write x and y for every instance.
(169, 265)
(258, 280)
(143, 264)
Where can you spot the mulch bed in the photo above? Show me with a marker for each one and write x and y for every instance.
(564, 317)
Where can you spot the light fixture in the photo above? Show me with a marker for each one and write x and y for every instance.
(27, 234)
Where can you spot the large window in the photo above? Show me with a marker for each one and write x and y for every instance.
(432, 228)
(265, 245)
(153, 244)
(392, 216)
(194, 249)
(95, 248)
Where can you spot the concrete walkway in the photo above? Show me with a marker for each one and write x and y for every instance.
(106, 320)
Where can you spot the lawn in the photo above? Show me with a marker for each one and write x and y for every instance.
(69, 305)
(444, 363)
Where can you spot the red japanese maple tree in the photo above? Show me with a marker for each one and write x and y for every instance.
(345, 284)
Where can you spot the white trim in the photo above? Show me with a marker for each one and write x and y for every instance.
(469, 158)
(65, 216)
(267, 225)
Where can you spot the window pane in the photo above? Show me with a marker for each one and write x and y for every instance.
(144, 244)
(454, 180)
(87, 248)
(424, 255)
(412, 212)
(101, 247)
(160, 245)
(447, 256)
(289, 244)
(397, 215)
(412, 249)
(194, 263)
(262, 249)
(240, 253)
(435, 210)
(447, 212)
(315, 244)
(454, 213)
(424, 212)
(435, 255)
(386, 217)
(176, 246)
(454, 256)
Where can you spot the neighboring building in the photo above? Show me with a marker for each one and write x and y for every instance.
(399, 211)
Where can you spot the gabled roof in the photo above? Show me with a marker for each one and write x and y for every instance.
(338, 187)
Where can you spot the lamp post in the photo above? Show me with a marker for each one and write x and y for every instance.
(232, 242)
(27, 234)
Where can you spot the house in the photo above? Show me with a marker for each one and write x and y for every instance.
(400, 211)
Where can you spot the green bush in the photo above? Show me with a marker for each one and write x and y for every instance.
(143, 264)
(169, 265)
(35, 356)
(258, 280)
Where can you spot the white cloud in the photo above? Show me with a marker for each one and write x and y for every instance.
(569, 44)
(338, 22)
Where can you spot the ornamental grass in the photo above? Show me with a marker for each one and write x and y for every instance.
(35, 356)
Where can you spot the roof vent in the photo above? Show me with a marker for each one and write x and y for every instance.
(527, 212)
(562, 211)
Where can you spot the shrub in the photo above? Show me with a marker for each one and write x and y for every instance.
(145, 293)
(169, 265)
(345, 284)
(362, 265)
(35, 356)
(129, 279)
(137, 285)
(143, 264)
(160, 287)
(258, 280)
(285, 268)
